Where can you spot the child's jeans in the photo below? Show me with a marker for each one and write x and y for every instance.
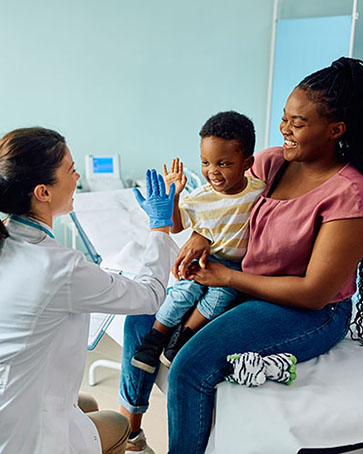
(184, 294)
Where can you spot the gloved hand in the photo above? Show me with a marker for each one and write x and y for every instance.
(157, 205)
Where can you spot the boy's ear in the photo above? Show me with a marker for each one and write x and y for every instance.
(249, 162)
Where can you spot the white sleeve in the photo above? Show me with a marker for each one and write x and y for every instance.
(94, 290)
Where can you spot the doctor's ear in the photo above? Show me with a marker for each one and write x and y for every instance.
(41, 193)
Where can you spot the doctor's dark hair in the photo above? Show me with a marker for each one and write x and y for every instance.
(231, 126)
(28, 157)
(337, 92)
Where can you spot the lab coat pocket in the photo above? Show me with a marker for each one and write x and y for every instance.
(4, 376)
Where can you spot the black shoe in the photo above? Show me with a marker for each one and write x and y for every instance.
(179, 337)
(147, 355)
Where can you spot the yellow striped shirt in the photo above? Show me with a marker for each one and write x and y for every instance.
(221, 218)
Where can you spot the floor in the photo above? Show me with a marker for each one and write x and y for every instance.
(106, 393)
(155, 420)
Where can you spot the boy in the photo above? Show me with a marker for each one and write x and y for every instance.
(219, 211)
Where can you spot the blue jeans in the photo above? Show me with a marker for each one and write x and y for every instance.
(201, 364)
(184, 294)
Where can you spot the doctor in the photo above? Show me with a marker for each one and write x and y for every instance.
(47, 293)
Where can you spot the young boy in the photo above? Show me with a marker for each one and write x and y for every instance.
(219, 211)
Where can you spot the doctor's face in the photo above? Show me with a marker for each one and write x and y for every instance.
(63, 190)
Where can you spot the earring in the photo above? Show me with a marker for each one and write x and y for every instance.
(341, 150)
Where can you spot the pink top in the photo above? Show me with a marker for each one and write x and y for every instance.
(283, 232)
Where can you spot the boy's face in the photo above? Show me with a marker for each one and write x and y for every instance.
(223, 164)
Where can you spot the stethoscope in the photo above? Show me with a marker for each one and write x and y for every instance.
(30, 223)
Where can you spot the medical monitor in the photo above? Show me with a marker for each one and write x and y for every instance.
(103, 172)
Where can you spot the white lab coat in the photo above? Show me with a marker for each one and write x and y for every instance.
(46, 295)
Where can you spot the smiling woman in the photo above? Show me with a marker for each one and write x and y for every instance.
(299, 271)
(306, 132)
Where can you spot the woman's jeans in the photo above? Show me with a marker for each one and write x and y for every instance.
(201, 364)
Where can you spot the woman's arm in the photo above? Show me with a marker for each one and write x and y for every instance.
(337, 251)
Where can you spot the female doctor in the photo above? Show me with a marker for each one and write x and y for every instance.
(47, 293)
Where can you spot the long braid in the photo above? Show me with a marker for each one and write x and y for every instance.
(358, 319)
(3, 232)
(338, 93)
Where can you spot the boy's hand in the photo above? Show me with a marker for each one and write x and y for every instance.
(175, 176)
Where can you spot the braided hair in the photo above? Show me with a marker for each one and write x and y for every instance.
(337, 92)
(28, 157)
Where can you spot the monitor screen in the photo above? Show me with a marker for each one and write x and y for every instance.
(103, 165)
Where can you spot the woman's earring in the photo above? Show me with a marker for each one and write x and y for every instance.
(341, 150)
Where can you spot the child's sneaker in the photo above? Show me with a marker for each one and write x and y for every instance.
(147, 355)
(138, 445)
(179, 337)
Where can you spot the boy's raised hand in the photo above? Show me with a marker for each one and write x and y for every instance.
(175, 176)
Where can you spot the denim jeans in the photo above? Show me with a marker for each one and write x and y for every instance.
(185, 294)
(201, 364)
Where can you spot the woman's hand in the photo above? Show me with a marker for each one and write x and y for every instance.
(175, 176)
(157, 205)
(196, 247)
(213, 275)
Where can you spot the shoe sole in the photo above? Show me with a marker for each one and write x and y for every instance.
(164, 360)
(142, 366)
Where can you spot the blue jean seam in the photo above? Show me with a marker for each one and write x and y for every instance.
(215, 372)
(138, 388)
(133, 409)
(214, 313)
(209, 316)
(325, 324)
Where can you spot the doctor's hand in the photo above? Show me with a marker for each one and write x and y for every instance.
(157, 205)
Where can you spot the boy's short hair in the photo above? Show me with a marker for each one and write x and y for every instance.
(231, 126)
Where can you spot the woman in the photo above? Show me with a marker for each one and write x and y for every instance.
(47, 295)
(299, 272)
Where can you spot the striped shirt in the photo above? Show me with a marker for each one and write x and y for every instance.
(221, 218)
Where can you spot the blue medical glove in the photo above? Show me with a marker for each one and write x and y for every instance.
(157, 205)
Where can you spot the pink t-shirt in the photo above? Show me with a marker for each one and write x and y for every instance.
(283, 232)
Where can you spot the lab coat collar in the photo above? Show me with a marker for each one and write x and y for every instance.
(29, 229)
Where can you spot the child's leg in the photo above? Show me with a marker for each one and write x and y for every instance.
(196, 321)
(161, 327)
(180, 299)
(213, 303)
(181, 335)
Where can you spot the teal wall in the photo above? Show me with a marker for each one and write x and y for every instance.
(135, 77)
(140, 77)
(315, 8)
